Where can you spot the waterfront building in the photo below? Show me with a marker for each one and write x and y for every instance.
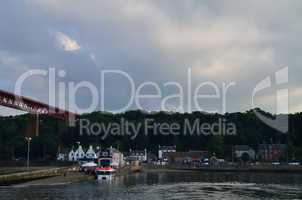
(214, 161)
(116, 157)
(79, 153)
(240, 151)
(163, 150)
(71, 156)
(137, 155)
(272, 152)
(90, 154)
(186, 157)
(61, 157)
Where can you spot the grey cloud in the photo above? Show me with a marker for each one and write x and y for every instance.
(153, 41)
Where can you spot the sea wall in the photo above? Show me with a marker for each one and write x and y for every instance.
(31, 175)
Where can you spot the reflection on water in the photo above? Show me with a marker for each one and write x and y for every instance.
(170, 185)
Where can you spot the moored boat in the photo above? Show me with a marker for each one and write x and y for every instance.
(136, 166)
(104, 173)
(88, 168)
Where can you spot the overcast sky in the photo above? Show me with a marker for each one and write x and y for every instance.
(155, 41)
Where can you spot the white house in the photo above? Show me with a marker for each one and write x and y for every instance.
(240, 150)
(61, 157)
(79, 153)
(162, 150)
(71, 156)
(117, 158)
(137, 155)
(90, 154)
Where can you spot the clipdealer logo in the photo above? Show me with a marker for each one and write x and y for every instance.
(280, 121)
(63, 94)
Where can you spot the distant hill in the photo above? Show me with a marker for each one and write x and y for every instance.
(250, 130)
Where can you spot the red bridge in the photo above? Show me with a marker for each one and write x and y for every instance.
(34, 107)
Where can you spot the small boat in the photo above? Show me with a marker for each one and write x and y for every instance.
(104, 173)
(136, 167)
(88, 168)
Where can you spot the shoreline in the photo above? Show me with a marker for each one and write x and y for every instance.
(279, 169)
(69, 175)
(34, 174)
(72, 177)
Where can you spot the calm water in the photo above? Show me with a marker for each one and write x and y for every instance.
(170, 185)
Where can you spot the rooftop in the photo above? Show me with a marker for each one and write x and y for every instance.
(167, 147)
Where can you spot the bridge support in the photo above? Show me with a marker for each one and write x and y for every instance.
(33, 126)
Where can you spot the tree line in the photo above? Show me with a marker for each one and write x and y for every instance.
(250, 130)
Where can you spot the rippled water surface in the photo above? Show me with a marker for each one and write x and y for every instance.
(170, 185)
